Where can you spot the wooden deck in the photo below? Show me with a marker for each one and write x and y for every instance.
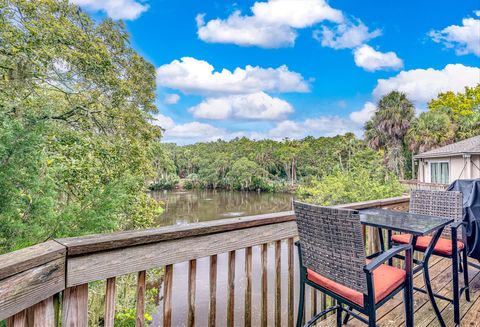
(392, 312)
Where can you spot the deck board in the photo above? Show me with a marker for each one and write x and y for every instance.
(392, 312)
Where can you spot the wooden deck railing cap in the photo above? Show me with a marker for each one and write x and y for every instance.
(103, 242)
(18, 261)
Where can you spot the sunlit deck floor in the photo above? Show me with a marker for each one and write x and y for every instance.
(392, 313)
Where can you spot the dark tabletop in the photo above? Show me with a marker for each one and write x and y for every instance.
(405, 222)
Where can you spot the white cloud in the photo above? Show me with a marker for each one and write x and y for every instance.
(115, 9)
(258, 106)
(320, 126)
(194, 130)
(421, 85)
(245, 31)
(163, 121)
(193, 76)
(346, 35)
(465, 38)
(171, 98)
(364, 115)
(296, 14)
(271, 25)
(371, 60)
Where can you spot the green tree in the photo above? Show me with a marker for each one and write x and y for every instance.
(245, 175)
(76, 144)
(430, 130)
(388, 127)
(463, 109)
(366, 179)
(458, 104)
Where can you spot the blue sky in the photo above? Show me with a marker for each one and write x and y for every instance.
(291, 68)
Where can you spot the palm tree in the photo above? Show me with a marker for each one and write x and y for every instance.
(430, 130)
(388, 127)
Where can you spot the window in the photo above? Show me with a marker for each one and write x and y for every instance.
(439, 172)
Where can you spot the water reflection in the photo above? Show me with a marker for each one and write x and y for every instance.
(203, 205)
(183, 207)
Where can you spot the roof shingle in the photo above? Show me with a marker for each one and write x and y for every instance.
(471, 145)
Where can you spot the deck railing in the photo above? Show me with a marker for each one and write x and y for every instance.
(413, 184)
(47, 284)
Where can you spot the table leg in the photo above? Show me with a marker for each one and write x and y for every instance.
(426, 275)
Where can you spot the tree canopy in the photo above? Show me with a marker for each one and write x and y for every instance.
(76, 142)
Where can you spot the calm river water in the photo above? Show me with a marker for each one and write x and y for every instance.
(183, 207)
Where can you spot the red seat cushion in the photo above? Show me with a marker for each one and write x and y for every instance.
(443, 246)
(385, 280)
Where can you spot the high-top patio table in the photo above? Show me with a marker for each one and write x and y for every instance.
(416, 225)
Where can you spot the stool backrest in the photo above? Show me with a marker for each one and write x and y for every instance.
(447, 204)
(331, 244)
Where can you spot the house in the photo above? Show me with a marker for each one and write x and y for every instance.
(446, 164)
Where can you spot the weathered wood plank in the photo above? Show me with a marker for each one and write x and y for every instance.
(29, 287)
(448, 314)
(140, 303)
(248, 287)
(381, 203)
(264, 308)
(109, 310)
(313, 302)
(231, 290)
(278, 283)
(212, 304)
(44, 313)
(75, 306)
(18, 320)
(192, 285)
(103, 242)
(15, 262)
(290, 282)
(102, 265)
(167, 296)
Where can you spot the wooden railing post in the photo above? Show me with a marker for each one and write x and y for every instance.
(264, 309)
(44, 313)
(212, 304)
(75, 306)
(290, 282)
(18, 320)
(278, 283)
(231, 290)
(109, 310)
(192, 284)
(248, 287)
(140, 314)
(167, 296)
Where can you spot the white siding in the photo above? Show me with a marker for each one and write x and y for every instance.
(458, 168)
(476, 170)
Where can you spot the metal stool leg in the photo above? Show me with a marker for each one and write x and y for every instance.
(339, 314)
(301, 302)
(347, 316)
(465, 274)
(456, 289)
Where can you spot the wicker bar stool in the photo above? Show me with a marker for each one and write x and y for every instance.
(332, 260)
(451, 245)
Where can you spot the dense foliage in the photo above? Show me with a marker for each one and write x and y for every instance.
(266, 165)
(76, 143)
(328, 169)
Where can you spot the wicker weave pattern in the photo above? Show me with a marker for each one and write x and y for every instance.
(332, 244)
(438, 203)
